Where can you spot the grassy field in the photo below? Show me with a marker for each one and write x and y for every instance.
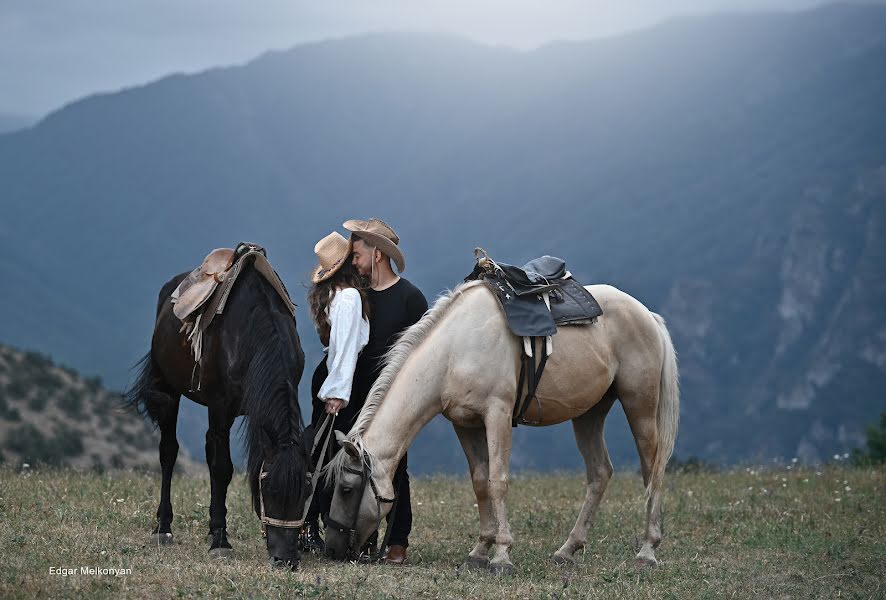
(774, 533)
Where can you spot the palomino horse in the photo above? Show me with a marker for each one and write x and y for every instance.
(461, 360)
(252, 362)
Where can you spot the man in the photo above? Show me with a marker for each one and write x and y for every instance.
(394, 305)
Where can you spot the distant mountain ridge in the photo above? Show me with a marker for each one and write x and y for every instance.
(50, 415)
(726, 171)
(10, 122)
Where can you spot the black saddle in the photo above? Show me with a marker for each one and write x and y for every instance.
(535, 277)
(520, 291)
(545, 267)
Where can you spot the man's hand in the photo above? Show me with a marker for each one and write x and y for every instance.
(333, 405)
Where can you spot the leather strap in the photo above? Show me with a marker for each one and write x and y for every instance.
(531, 374)
(328, 421)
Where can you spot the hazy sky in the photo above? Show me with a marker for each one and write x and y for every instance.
(55, 51)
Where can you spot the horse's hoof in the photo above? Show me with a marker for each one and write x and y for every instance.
(563, 559)
(221, 552)
(277, 563)
(646, 559)
(501, 569)
(220, 547)
(476, 562)
(158, 539)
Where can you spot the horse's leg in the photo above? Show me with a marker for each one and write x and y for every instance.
(498, 440)
(221, 469)
(588, 430)
(640, 409)
(162, 533)
(473, 441)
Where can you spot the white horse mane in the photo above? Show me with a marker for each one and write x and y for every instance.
(399, 352)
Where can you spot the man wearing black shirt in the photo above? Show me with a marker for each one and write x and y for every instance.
(394, 305)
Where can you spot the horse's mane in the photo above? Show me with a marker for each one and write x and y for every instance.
(270, 387)
(395, 358)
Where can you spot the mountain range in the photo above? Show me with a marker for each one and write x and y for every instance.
(10, 122)
(728, 171)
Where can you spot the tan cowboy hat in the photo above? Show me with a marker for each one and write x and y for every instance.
(379, 234)
(332, 252)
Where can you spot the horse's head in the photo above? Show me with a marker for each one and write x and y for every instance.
(279, 486)
(362, 494)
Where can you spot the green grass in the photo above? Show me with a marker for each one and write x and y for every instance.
(743, 534)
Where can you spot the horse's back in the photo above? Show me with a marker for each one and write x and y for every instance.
(632, 331)
(632, 317)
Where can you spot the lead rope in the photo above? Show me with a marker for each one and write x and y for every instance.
(266, 520)
(330, 421)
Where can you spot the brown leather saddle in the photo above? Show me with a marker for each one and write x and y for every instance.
(198, 287)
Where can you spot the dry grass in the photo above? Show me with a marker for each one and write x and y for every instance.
(761, 534)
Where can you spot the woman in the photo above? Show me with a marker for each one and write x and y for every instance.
(340, 311)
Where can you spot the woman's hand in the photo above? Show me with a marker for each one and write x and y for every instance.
(333, 405)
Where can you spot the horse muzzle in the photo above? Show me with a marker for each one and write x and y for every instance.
(341, 542)
(282, 544)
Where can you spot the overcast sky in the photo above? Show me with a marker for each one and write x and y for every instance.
(55, 51)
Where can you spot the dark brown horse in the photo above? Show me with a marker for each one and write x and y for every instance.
(252, 363)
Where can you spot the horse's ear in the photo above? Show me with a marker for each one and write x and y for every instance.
(351, 449)
(347, 444)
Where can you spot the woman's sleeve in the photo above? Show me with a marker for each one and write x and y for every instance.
(345, 316)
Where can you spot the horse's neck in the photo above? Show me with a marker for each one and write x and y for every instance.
(415, 395)
(412, 400)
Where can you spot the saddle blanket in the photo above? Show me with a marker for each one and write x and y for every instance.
(529, 315)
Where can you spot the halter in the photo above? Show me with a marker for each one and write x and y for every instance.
(265, 519)
(365, 474)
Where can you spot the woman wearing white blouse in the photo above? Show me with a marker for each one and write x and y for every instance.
(340, 312)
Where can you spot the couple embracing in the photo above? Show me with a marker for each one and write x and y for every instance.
(359, 306)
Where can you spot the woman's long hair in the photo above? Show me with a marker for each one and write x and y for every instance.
(321, 294)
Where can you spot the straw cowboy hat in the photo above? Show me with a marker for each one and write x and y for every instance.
(332, 252)
(379, 234)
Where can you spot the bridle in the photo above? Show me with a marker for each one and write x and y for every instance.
(365, 473)
(311, 482)
(265, 519)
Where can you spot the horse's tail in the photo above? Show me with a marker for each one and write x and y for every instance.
(146, 394)
(668, 417)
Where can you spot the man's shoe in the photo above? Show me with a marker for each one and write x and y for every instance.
(309, 539)
(396, 555)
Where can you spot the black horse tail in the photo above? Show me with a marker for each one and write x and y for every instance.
(146, 394)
